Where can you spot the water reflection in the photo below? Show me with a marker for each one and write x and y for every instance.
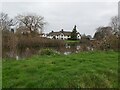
(66, 50)
(67, 53)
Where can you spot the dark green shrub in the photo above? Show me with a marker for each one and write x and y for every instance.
(48, 52)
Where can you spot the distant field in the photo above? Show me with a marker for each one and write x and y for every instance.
(82, 70)
(72, 41)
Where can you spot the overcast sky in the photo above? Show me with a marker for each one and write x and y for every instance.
(64, 15)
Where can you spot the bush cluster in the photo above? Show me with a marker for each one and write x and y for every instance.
(48, 51)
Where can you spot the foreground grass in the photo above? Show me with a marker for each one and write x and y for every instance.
(82, 70)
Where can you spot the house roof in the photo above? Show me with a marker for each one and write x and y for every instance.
(60, 32)
(66, 33)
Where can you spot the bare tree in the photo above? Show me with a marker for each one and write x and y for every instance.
(3, 21)
(115, 24)
(34, 22)
(6, 22)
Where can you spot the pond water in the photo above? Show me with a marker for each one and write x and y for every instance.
(66, 50)
(67, 53)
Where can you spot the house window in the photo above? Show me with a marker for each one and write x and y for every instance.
(54, 37)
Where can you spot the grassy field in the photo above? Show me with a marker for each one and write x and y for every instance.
(82, 70)
(72, 41)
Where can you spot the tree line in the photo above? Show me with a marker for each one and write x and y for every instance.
(26, 36)
(33, 22)
(108, 37)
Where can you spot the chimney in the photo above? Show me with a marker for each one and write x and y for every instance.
(62, 30)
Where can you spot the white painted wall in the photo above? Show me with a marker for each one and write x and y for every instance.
(78, 36)
(62, 36)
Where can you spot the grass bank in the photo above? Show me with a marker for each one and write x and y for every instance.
(82, 70)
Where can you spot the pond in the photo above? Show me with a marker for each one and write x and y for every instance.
(67, 49)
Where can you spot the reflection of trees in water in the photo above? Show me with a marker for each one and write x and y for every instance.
(74, 48)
